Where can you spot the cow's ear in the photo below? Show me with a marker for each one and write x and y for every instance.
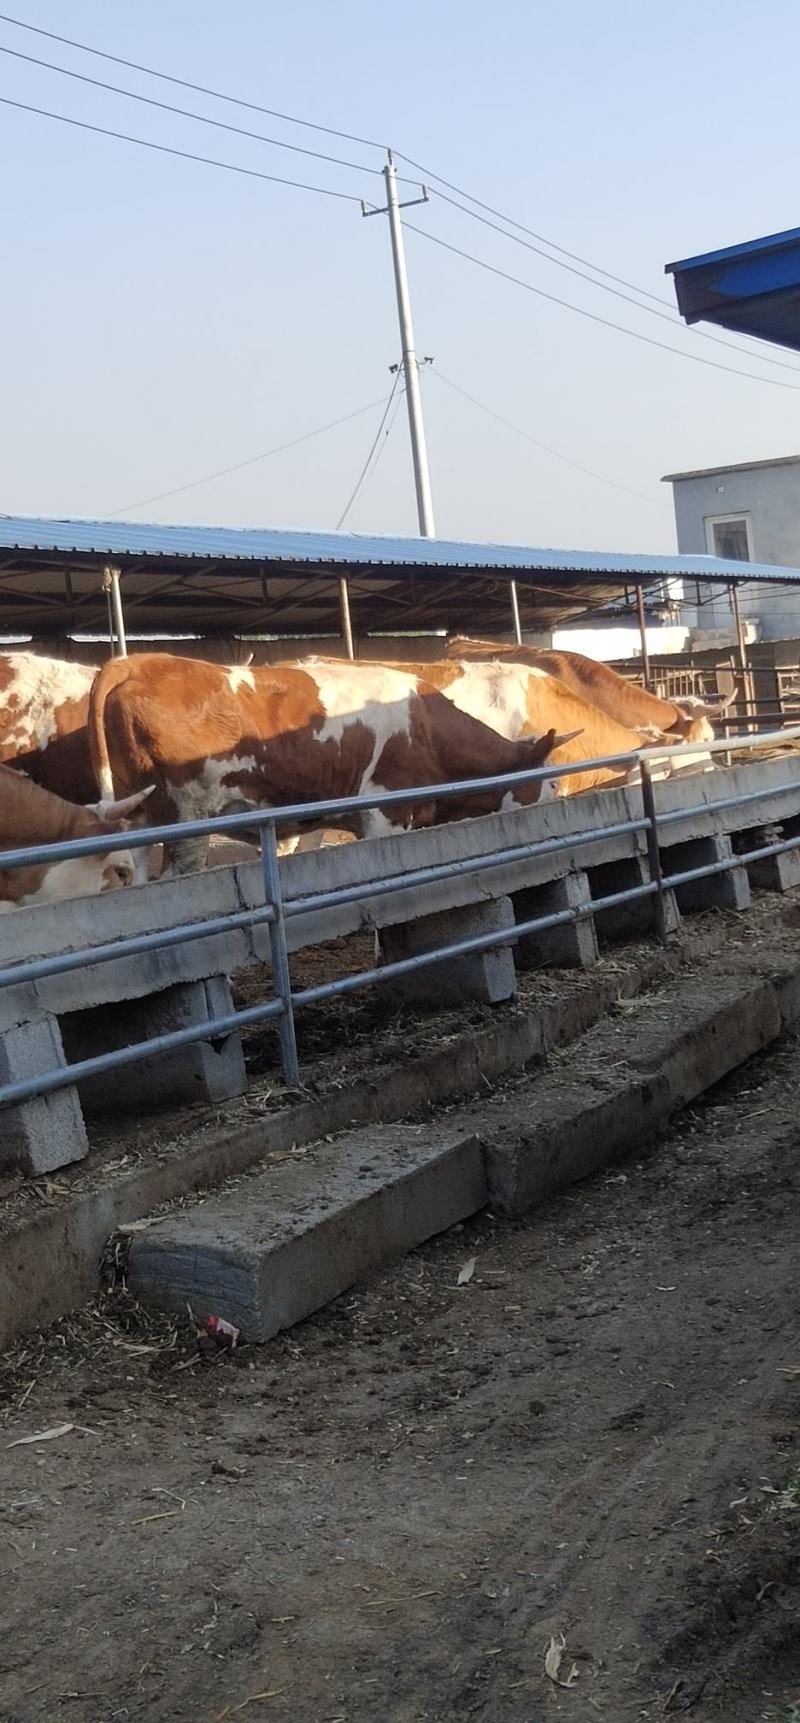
(110, 811)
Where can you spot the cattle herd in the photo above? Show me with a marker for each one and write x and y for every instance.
(82, 750)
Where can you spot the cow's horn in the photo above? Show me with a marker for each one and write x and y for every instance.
(714, 707)
(696, 708)
(109, 811)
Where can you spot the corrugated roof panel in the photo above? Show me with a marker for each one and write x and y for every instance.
(224, 580)
(123, 539)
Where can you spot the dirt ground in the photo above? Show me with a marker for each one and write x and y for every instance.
(389, 1511)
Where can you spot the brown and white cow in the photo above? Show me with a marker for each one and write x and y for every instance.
(519, 701)
(213, 741)
(685, 719)
(31, 816)
(44, 704)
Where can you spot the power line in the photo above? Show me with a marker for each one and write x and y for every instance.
(656, 503)
(436, 179)
(186, 84)
(188, 113)
(701, 334)
(575, 257)
(580, 311)
(389, 428)
(251, 461)
(185, 155)
(371, 143)
(361, 480)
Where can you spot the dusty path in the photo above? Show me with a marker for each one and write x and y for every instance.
(387, 1513)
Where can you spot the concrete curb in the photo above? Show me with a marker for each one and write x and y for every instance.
(293, 1238)
(676, 1050)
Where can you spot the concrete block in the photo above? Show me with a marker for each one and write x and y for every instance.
(572, 945)
(728, 890)
(776, 873)
(203, 1071)
(487, 976)
(49, 1131)
(629, 920)
(289, 1240)
(773, 873)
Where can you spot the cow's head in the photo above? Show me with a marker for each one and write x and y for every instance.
(536, 751)
(81, 876)
(526, 755)
(116, 817)
(691, 726)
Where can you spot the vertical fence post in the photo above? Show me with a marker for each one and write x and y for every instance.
(517, 625)
(345, 619)
(653, 857)
(640, 612)
(281, 979)
(748, 691)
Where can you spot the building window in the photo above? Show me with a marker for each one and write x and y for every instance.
(730, 536)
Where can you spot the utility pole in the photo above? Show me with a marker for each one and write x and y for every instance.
(410, 365)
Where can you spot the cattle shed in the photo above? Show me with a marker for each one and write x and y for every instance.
(60, 577)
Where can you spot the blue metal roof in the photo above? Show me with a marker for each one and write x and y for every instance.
(753, 288)
(228, 580)
(341, 551)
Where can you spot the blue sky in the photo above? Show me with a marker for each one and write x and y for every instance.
(163, 319)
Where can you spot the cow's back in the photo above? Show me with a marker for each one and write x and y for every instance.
(213, 738)
(519, 700)
(626, 702)
(44, 705)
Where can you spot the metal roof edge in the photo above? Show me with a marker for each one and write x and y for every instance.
(732, 467)
(769, 242)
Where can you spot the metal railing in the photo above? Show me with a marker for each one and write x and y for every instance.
(273, 913)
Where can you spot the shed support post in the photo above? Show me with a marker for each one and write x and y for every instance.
(741, 652)
(345, 619)
(648, 680)
(119, 644)
(512, 586)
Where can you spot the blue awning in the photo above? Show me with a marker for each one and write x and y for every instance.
(753, 288)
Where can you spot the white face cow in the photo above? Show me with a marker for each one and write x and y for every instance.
(31, 816)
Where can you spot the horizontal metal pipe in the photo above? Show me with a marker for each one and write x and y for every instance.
(740, 860)
(14, 1093)
(452, 870)
(307, 813)
(19, 973)
(46, 1084)
(675, 815)
(668, 750)
(466, 947)
(320, 812)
